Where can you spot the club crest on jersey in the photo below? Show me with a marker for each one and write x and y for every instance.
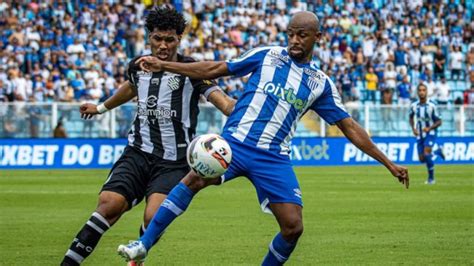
(312, 83)
(173, 83)
(285, 94)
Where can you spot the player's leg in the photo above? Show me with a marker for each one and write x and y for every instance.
(110, 207)
(173, 206)
(429, 164)
(165, 175)
(119, 193)
(429, 142)
(177, 202)
(278, 190)
(153, 202)
(290, 219)
(420, 149)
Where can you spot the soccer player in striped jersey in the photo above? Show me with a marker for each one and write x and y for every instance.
(154, 160)
(425, 120)
(282, 86)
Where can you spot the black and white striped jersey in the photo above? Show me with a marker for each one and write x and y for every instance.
(167, 110)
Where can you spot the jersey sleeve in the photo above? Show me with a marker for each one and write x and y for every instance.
(329, 105)
(132, 70)
(248, 62)
(204, 86)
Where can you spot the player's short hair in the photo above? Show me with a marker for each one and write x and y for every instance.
(422, 84)
(165, 18)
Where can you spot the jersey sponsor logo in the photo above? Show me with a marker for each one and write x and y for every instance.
(275, 62)
(314, 74)
(155, 81)
(284, 94)
(142, 73)
(284, 58)
(151, 101)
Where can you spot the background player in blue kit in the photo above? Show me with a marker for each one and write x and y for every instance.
(283, 85)
(425, 129)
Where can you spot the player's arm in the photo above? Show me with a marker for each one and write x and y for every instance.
(357, 135)
(435, 125)
(412, 120)
(412, 125)
(125, 93)
(195, 70)
(436, 119)
(222, 101)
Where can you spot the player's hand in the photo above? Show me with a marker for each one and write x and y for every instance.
(149, 64)
(415, 132)
(426, 129)
(88, 110)
(401, 173)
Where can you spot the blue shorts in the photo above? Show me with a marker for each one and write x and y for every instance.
(422, 143)
(271, 174)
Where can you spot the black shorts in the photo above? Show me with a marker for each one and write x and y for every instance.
(137, 174)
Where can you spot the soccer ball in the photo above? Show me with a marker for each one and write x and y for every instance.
(209, 155)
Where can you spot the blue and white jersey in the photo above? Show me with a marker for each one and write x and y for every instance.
(425, 115)
(279, 91)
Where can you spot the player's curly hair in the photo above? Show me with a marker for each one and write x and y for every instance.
(165, 18)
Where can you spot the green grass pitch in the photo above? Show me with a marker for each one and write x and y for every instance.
(352, 216)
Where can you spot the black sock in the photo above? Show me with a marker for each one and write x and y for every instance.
(86, 240)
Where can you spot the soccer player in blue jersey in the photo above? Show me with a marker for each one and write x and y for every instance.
(282, 86)
(425, 129)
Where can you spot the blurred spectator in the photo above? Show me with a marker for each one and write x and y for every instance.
(439, 67)
(404, 92)
(346, 85)
(371, 84)
(73, 44)
(430, 87)
(469, 95)
(442, 91)
(59, 130)
(456, 62)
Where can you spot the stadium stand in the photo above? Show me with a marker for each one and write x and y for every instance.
(56, 54)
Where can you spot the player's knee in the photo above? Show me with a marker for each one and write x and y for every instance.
(111, 206)
(291, 231)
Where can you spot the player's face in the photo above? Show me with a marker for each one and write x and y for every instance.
(422, 92)
(164, 44)
(301, 40)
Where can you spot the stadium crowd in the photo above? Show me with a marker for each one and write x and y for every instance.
(375, 51)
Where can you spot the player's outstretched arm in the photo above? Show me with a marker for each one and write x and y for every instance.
(222, 101)
(357, 135)
(125, 93)
(195, 70)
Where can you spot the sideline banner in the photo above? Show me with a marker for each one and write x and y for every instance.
(102, 153)
(339, 151)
